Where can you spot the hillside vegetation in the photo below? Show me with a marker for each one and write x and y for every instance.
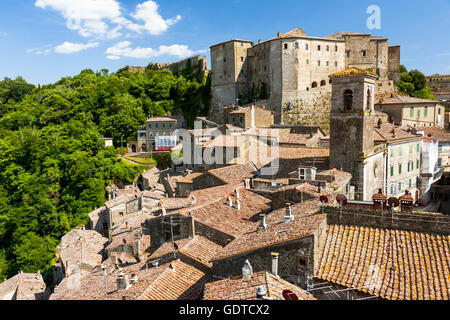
(53, 170)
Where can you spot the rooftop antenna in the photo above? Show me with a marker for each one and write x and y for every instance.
(323, 199)
(342, 200)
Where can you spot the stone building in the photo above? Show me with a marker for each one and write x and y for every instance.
(290, 71)
(24, 286)
(414, 112)
(360, 146)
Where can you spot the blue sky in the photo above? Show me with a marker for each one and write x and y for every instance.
(44, 40)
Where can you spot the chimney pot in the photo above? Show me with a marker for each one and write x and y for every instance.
(275, 256)
(289, 217)
(229, 202)
(263, 222)
(237, 205)
(122, 282)
(261, 292)
(247, 271)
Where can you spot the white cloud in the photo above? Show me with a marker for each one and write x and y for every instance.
(44, 50)
(69, 47)
(124, 49)
(105, 19)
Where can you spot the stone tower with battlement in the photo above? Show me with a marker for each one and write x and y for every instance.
(352, 126)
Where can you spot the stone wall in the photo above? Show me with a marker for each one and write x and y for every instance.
(409, 222)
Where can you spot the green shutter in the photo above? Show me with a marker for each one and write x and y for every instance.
(392, 171)
(418, 113)
(399, 169)
(418, 164)
(426, 112)
(418, 147)
(411, 113)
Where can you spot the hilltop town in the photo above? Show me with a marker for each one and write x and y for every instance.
(312, 178)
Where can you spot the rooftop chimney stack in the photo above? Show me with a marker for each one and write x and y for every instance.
(237, 205)
(194, 201)
(236, 193)
(261, 293)
(275, 256)
(229, 202)
(122, 282)
(163, 212)
(134, 278)
(263, 224)
(289, 217)
(247, 271)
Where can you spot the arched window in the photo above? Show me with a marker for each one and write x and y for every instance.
(323, 83)
(369, 99)
(348, 99)
(314, 85)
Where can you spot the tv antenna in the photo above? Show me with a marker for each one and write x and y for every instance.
(289, 295)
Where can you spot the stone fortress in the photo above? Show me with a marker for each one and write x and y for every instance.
(289, 73)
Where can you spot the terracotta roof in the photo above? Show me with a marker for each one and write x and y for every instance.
(124, 198)
(298, 139)
(154, 194)
(128, 190)
(167, 248)
(352, 71)
(179, 281)
(157, 119)
(85, 244)
(175, 203)
(340, 176)
(190, 177)
(389, 132)
(201, 249)
(97, 213)
(228, 141)
(436, 133)
(241, 110)
(305, 224)
(239, 289)
(210, 195)
(410, 265)
(267, 132)
(26, 286)
(147, 174)
(398, 99)
(220, 216)
(233, 174)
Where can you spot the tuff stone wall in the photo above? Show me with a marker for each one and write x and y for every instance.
(402, 221)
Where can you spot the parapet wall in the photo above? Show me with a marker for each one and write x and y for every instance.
(402, 221)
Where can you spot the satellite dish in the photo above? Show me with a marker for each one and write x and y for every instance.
(341, 199)
(124, 241)
(289, 295)
(323, 199)
(414, 130)
(393, 202)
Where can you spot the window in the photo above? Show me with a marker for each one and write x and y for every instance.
(234, 120)
(323, 83)
(418, 113)
(302, 262)
(296, 61)
(347, 53)
(285, 46)
(426, 112)
(170, 125)
(392, 153)
(410, 183)
(224, 59)
(348, 99)
(328, 48)
(364, 53)
(410, 148)
(314, 85)
(296, 45)
(369, 99)
(307, 47)
(440, 148)
(241, 119)
(392, 189)
(392, 171)
(418, 147)
(336, 48)
(411, 113)
(318, 63)
(121, 214)
(164, 125)
(307, 61)
(328, 63)
(418, 164)
(156, 126)
(399, 168)
(439, 162)
(400, 186)
(149, 125)
(318, 48)
(335, 64)
(242, 59)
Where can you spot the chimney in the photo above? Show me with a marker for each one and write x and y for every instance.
(275, 256)
(237, 205)
(263, 224)
(259, 41)
(122, 282)
(194, 201)
(236, 193)
(247, 271)
(126, 225)
(134, 278)
(163, 211)
(278, 34)
(247, 184)
(288, 217)
(261, 293)
(229, 202)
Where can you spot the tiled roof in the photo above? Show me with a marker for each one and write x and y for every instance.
(436, 133)
(147, 174)
(27, 286)
(267, 132)
(175, 203)
(299, 139)
(210, 195)
(129, 190)
(201, 249)
(227, 141)
(85, 244)
(352, 71)
(305, 224)
(398, 99)
(153, 194)
(158, 119)
(389, 132)
(410, 265)
(220, 216)
(239, 289)
(133, 221)
(233, 174)
(124, 198)
(340, 176)
(167, 248)
(179, 281)
(241, 110)
(190, 177)
(95, 215)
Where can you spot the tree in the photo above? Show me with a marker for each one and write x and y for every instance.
(414, 84)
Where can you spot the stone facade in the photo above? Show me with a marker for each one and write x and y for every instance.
(291, 71)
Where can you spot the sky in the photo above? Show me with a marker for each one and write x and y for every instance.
(45, 40)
